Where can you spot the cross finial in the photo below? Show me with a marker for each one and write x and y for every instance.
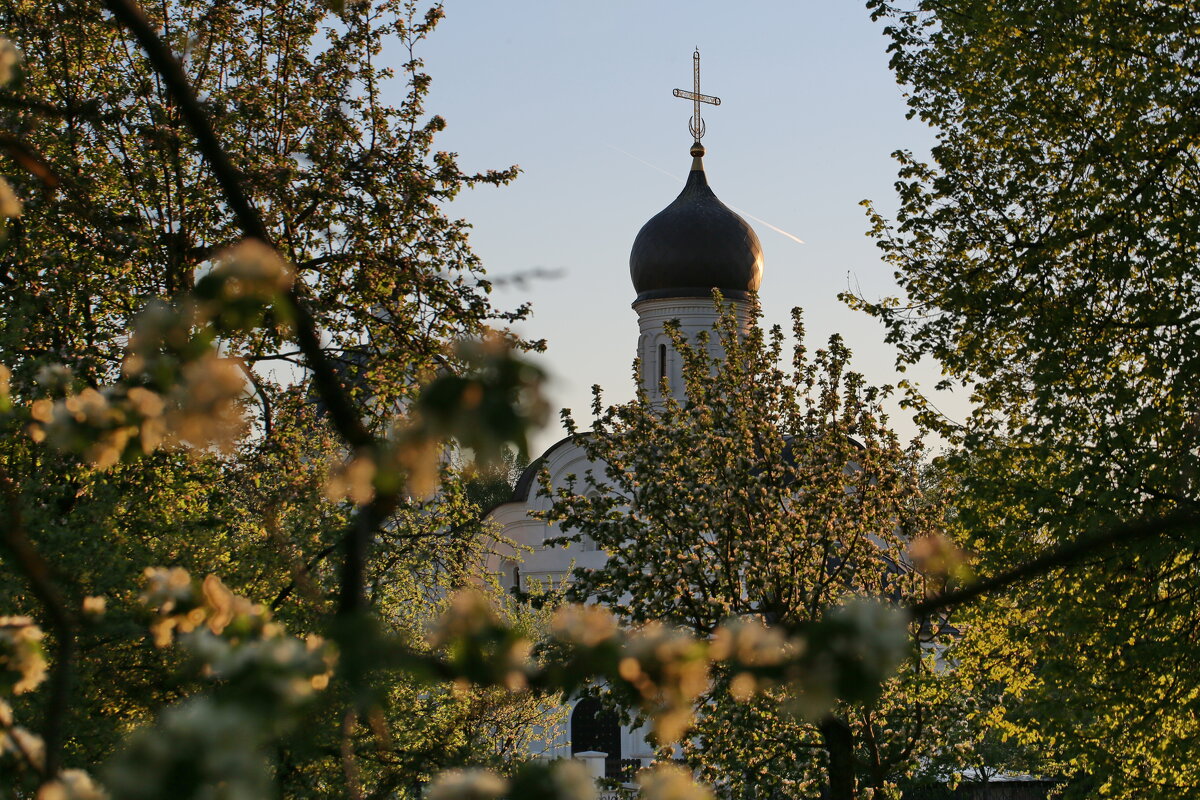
(696, 124)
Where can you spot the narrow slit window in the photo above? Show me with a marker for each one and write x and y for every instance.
(662, 363)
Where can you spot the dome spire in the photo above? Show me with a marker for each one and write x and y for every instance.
(696, 123)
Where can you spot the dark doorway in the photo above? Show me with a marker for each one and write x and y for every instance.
(593, 727)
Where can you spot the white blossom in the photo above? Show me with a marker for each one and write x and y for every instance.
(466, 784)
(573, 781)
(671, 782)
(10, 57)
(72, 784)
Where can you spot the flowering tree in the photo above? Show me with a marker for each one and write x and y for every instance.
(164, 410)
(209, 188)
(775, 496)
(178, 269)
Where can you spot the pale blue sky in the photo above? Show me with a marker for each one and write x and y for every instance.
(579, 95)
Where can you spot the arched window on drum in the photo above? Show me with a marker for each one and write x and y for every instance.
(586, 543)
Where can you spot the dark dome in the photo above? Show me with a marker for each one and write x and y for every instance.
(695, 245)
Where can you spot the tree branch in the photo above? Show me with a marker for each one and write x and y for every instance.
(1062, 556)
(129, 14)
(58, 618)
(305, 571)
(342, 413)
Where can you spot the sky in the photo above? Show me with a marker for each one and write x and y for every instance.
(579, 96)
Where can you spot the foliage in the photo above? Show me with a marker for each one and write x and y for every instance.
(1048, 255)
(348, 187)
(243, 337)
(769, 495)
(124, 451)
(231, 689)
(490, 487)
(197, 737)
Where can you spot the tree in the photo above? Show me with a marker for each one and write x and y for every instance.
(159, 385)
(121, 211)
(230, 703)
(768, 495)
(192, 218)
(349, 187)
(489, 487)
(1047, 257)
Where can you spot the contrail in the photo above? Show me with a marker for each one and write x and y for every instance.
(647, 163)
(775, 228)
(778, 230)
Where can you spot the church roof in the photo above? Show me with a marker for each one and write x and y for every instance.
(529, 475)
(695, 245)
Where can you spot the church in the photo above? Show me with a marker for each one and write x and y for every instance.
(693, 246)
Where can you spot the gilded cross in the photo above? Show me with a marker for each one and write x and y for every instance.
(696, 124)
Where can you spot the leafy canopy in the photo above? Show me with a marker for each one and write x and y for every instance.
(1047, 257)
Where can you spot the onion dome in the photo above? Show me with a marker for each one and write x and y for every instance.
(695, 245)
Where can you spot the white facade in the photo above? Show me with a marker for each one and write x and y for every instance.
(539, 567)
(542, 567)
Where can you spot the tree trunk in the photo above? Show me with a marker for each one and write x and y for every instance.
(839, 743)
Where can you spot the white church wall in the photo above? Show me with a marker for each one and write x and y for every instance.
(536, 566)
(695, 315)
(541, 567)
